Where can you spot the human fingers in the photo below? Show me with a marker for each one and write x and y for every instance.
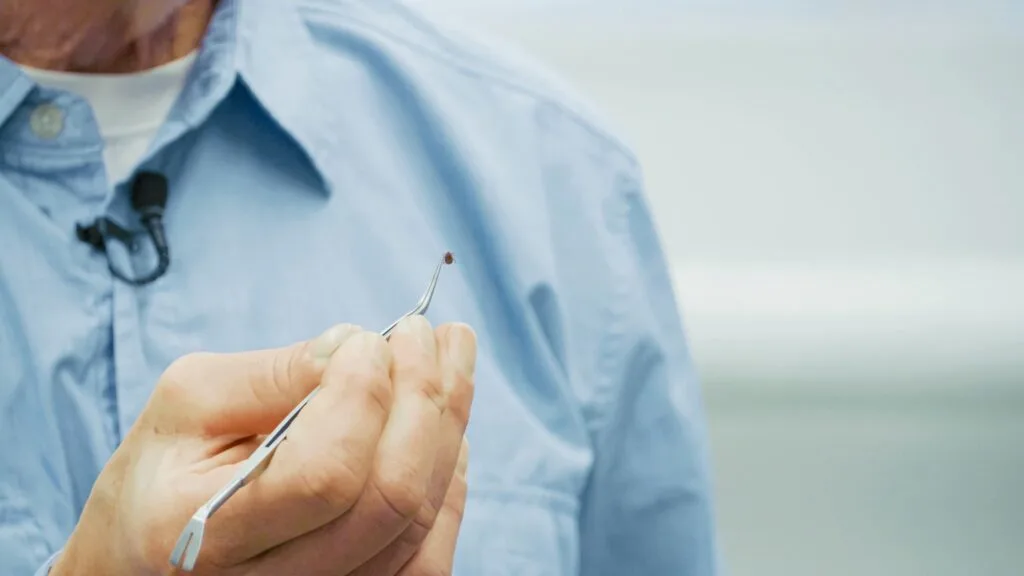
(320, 470)
(456, 358)
(204, 417)
(402, 469)
(241, 393)
(436, 556)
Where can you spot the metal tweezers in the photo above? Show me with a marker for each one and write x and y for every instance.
(186, 551)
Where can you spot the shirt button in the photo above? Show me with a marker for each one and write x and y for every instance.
(47, 121)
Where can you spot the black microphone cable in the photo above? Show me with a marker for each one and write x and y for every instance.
(149, 198)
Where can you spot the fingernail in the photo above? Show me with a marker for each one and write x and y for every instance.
(324, 345)
(419, 328)
(371, 347)
(462, 349)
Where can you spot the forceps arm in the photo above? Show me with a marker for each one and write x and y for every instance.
(255, 463)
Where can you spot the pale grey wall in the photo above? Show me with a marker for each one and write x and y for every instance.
(803, 131)
(840, 186)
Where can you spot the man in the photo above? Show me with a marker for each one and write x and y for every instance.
(320, 156)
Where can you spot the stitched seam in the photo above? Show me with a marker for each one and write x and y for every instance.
(49, 151)
(611, 358)
(459, 63)
(541, 497)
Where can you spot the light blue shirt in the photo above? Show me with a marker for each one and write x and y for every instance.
(321, 157)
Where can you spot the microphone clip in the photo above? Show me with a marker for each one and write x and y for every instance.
(149, 196)
(96, 234)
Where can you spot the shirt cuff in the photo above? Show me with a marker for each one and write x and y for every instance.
(45, 568)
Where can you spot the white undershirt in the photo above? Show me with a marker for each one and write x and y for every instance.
(129, 108)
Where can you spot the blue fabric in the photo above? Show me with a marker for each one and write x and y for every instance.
(322, 156)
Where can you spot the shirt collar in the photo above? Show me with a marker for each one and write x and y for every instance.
(14, 87)
(264, 44)
(267, 46)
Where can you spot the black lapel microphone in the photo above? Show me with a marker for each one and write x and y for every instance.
(149, 197)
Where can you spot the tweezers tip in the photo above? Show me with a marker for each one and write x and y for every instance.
(186, 551)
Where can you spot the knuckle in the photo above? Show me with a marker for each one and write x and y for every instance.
(374, 384)
(182, 372)
(403, 495)
(184, 367)
(426, 516)
(374, 342)
(417, 329)
(333, 482)
(284, 370)
(413, 537)
(460, 397)
(430, 385)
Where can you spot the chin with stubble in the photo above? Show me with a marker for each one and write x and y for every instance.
(102, 36)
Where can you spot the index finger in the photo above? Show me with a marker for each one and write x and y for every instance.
(245, 393)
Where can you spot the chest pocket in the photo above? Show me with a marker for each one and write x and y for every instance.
(526, 474)
(518, 533)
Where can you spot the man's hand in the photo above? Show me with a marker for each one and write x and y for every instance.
(369, 482)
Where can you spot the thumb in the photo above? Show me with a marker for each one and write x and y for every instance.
(246, 392)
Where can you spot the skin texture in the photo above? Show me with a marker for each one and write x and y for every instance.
(101, 36)
(370, 481)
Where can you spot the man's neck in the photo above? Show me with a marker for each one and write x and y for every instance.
(101, 36)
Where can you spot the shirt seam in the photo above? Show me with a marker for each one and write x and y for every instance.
(459, 63)
(613, 342)
(50, 151)
(544, 497)
(12, 95)
(134, 131)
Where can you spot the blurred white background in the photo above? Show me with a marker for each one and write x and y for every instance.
(840, 187)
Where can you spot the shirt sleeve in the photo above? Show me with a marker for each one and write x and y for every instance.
(648, 505)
